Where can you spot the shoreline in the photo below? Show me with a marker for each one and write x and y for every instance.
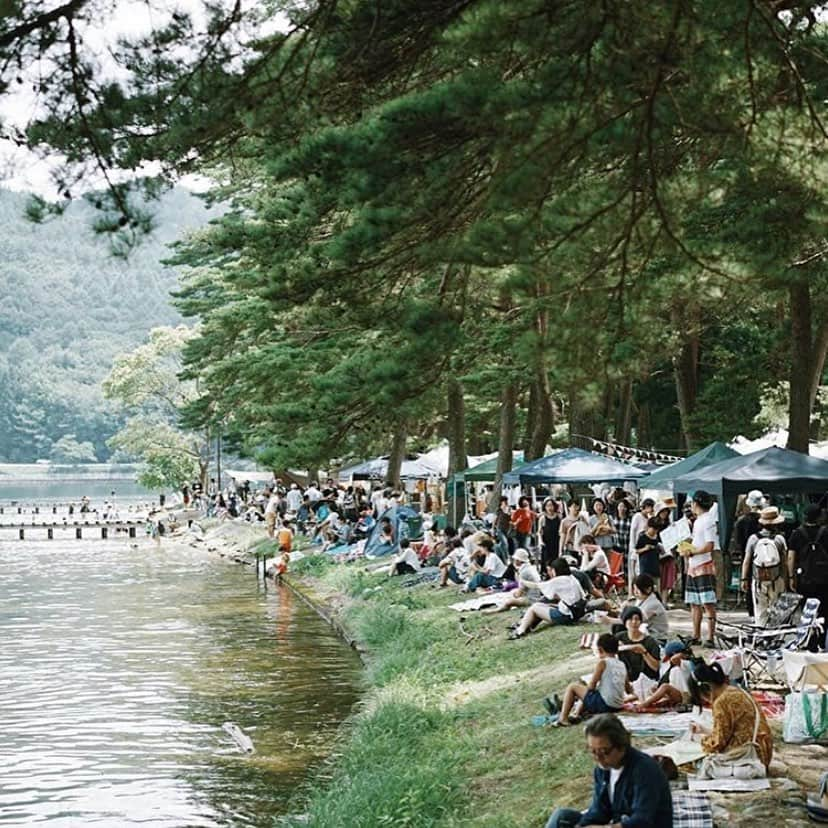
(443, 735)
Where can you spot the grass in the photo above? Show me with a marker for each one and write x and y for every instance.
(444, 736)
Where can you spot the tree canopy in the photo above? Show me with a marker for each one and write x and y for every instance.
(605, 214)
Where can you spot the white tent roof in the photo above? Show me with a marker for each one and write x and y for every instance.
(776, 437)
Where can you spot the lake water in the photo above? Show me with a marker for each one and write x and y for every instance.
(118, 668)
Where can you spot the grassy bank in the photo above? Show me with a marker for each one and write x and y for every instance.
(445, 737)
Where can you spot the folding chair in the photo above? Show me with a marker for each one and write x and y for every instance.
(614, 581)
(763, 647)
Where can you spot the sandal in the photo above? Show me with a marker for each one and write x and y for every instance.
(514, 635)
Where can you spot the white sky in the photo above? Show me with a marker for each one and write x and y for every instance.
(21, 169)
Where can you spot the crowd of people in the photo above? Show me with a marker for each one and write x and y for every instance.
(567, 559)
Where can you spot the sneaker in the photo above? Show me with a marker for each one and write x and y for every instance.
(694, 642)
(710, 644)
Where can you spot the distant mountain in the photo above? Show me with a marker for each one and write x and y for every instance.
(67, 307)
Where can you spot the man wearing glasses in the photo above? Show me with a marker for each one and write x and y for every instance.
(630, 790)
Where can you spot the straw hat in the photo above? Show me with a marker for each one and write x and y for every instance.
(770, 515)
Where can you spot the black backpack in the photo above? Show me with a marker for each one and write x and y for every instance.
(812, 566)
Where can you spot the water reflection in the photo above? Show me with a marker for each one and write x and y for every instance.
(118, 668)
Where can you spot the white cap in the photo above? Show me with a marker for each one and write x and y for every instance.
(755, 498)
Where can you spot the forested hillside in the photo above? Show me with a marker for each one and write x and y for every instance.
(68, 307)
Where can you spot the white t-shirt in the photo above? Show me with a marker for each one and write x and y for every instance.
(615, 775)
(594, 560)
(494, 566)
(272, 504)
(704, 532)
(408, 556)
(294, 500)
(564, 587)
(637, 526)
(459, 559)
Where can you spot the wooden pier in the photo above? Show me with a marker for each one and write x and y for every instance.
(69, 530)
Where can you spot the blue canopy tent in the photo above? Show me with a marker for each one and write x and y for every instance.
(406, 524)
(665, 475)
(773, 470)
(573, 465)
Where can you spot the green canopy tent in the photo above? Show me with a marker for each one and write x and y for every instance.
(573, 465)
(773, 470)
(663, 477)
(481, 473)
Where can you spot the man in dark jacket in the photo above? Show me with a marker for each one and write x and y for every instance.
(630, 790)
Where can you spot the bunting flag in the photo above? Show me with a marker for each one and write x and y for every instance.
(634, 455)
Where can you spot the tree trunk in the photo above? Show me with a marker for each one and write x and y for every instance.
(395, 459)
(808, 354)
(623, 414)
(456, 416)
(531, 419)
(544, 416)
(456, 421)
(643, 436)
(686, 373)
(580, 424)
(506, 440)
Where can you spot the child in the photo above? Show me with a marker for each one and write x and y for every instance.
(282, 562)
(607, 688)
(673, 686)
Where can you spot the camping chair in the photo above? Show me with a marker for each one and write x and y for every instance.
(764, 647)
(614, 581)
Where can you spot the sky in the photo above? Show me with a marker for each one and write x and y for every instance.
(22, 170)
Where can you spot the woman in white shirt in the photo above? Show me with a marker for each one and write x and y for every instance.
(563, 588)
(488, 573)
(528, 589)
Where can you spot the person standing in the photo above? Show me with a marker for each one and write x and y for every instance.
(808, 558)
(700, 585)
(549, 532)
(523, 519)
(765, 564)
(603, 529)
(623, 524)
(637, 525)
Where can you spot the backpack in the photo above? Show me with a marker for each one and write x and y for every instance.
(812, 569)
(766, 559)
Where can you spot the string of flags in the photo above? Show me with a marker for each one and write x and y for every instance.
(629, 453)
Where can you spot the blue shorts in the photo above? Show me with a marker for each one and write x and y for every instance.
(557, 617)
(594, 703)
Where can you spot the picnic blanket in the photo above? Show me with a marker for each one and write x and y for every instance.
(692, 810)
(730, 785)
(663, 724)
(681, 751)
(490, 599)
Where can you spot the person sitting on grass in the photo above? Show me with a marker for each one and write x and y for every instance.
(564, 588)
(607, 688)
(528, 589)
(454, 565)
(629, 787)
(486, 569)
(674, 685)
(640, 653)
(405, 562)
(594, 560)
(735, 714)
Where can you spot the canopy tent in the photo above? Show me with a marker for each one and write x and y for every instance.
(664, 477)
(484, 471)
(573, 465)
(376, 470)
(437, 458)
(773, 470)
